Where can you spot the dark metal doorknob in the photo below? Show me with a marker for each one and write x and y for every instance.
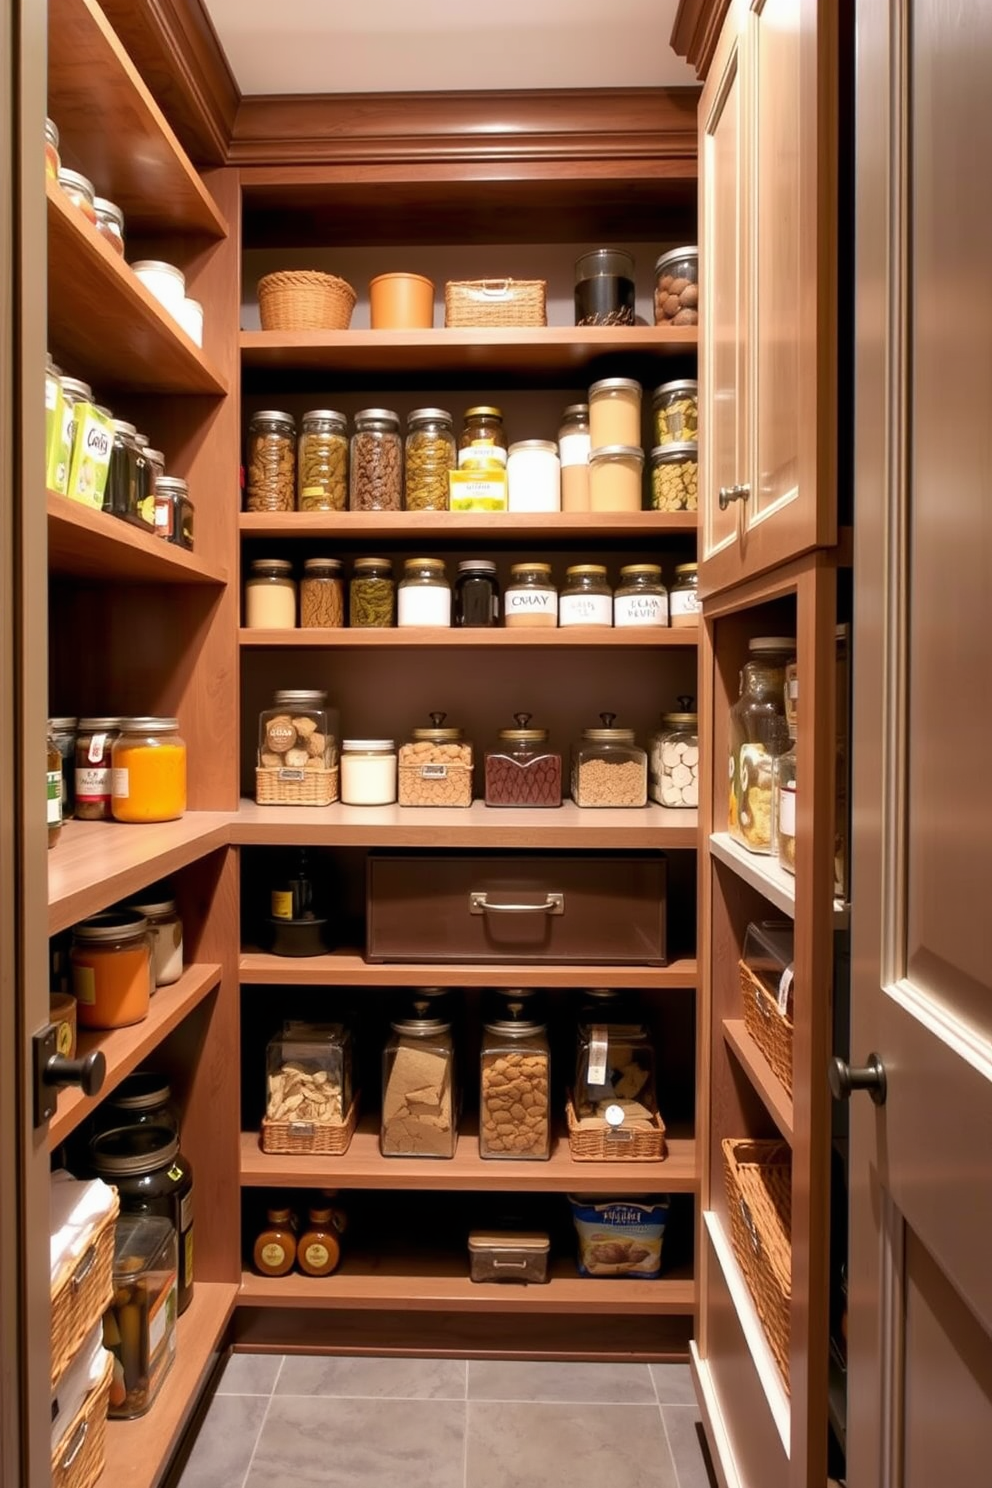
(845, 1079)
(52, 1070)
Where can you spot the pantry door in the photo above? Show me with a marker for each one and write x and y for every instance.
(920, 1283)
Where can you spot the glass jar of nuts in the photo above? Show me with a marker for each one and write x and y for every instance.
(674, 477)
(514, 1104)
(608, 767)
(676, 288)
(435, 767)
(322, 462)
(430, 453)
(376, 478)
(271, 462)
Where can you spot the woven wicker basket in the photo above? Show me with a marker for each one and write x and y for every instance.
(78, 1460)
(758, 1178)
(495, 302)
(587, 1144)
(324, 1138)
(770, 1028)
(316, 788)
(82, 1294)
(305, 300)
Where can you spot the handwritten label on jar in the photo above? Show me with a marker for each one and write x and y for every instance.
(640, 609)
(93, 785)
(531, 602)
(685, 602)
(585, 609)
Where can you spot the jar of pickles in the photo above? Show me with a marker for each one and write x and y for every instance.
(609, 768)
(586, 597)
(152, 1177)
(514, 1101)
(758, 733)
(674, 758)
(322, 462)
(372, 596)
(419, 1103)
(271, 461)
(435, 767)
(430, 455)
(675, 406)
(148, 782)
(521, 770)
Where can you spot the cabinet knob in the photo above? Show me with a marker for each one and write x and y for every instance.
(53, 1070)
(733, 493)
(844, 1079)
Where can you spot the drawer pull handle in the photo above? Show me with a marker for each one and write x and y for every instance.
(75, 1445)
(499, 1265)
(478, 901)
(733, 493)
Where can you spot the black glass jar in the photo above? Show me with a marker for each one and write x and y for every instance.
(127, 489)
(476, 594)
(604, 288)
(152, 1176)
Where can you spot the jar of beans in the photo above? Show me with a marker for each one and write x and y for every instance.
(430, 453)
(271, 462)
(321, 595)
(376, 482)
(322, 462)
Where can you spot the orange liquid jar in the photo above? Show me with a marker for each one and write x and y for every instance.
(148, 779)
(111, 959)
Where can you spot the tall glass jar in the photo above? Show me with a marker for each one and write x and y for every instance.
(483, 439)
(674, 758)
(531, 599)
(321, 595)
(376, 481)
(322, 462)
(586, 597)
(574, 445)
(143, 1098)
(615, 478)
(430, 454)
(53, 790)
(614, 1066)
(784, 780)
(148, 779)
(758, 733)
(271, 461)
(604, 288)
(435, 766)
(419, 1105)
(424, 594)
(111, 959)
(270, 595)
(615, 412)
(372, 595)
(152, 1176)
(684, 598)
(476, 594)
(94, 746)
(514, 1098)
(63, 732)
(609, 768)
(521, 770)
(640, 598)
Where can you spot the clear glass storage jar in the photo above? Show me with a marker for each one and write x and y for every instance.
(419, 1102)
(675, 407)
(784, 779)
(674, 758)
(53, 790)
(270, 595)
(79, 190)
(614, 1065)
(376, 479)
(615, 475)
(615, 412)
(166, 930)
(308, 1076)
(586, 596)
(297, 750)
(676, 287)
(152, 1176)
(604, 288)
(574, 444)
(271, 461)
(111, 960)
(94, 748)
(608, 767)
(531, 599)
(173, 511)
(675, 477)
(514, 1095)
(533, 476)
(322, 461)
(483, 439)
(435, 767)
(758, 733)
(148, 781)
(683, 601)
(430, 454)
(52, 161)
(372, 595)
(640, 598)
(368, 772)
(521, 770)
(110, 223)
(322, 595)
(139, 1326)
(423, 595)
(476, 597)
(63, 734)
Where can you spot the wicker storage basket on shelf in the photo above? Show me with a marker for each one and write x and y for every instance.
(495, 302)
(78, 1460)
(325, 1138)
(316, 788)
(305, 300)
(606, 1144)
(770, 1028)
(82, 1293)
(758, 1179)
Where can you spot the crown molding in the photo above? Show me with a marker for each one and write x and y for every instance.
(696, 30)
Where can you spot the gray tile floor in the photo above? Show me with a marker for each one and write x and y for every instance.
(318, 1422)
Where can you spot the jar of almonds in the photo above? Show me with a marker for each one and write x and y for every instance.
(514, 1101)
(271, 461)
(322, 462)
(430, 453)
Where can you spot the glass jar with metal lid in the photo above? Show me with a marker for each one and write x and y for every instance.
(368, 772)
(609, 768)
(151, 1176)
(674, 758)
(110, 223)
(483, 439)
(435, 766)
(675, 477)
(127, 476)
(376, 478)
(63, 733)
(270, 476)
(586, 597)
(675, 406)
(574, 444)
(683, 600)
(533, 475)
(111, 959)
(322, 594)
(477, 595)
(52, 161)
(615, 476)
(94, 744)
(270, 595)
(79, 190)
(372, 594)
(297, 742)
(676, 289)
(531, 599)
(143, 1098)
(758, 732)
(174, 511)
(640, 598)
(53, 790)
(430, 454)
(521, 770)
(514, 1096)
(148, 779)
(424, 594)
(615, 412)
(419, 1100)
(784, 773)
(166, 930)
(322, 461)
(156, 464)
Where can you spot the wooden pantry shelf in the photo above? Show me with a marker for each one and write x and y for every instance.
(138, 1452)
(104, 325)
(774, 1096)
(479, 825)
(97, 863)
(96, 545)
(348, 968)
(489, 527)
(114, 132)
(762, 872)
(363, 1166)
(125, 1048)
(569, 638)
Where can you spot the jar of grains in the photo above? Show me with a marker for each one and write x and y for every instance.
(640, 597)
(271, 462)
(674, 477)
(94, 747)
(110, 223)
(531, 599)
(676, 289)
(148, 781)
(372, 596)
(573, 452)
(586, 597)
(435, 767)
(674, 758)
(684, 599)
(430, 454)
(476, 593)
(615, 412)
(483, 439)
(615, 475)
(376, 482)
(533, 476)
(521, 770)
(321, 595)
(368, 772)
(270, 595)
(676, 412)
(424, 594)
(514, 1096)
(609, 768)
(322, 462)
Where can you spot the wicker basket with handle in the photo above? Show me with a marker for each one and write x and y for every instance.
(495, 302)
(603, 1143)
(78, 1460)
(770, 1028)
(82, 1293)
(305, 300)
(325, 1138)
(758, 1180)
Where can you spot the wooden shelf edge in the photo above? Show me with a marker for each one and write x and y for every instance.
(95, 544)
(478, 525)
(571, 637)
(760, 871)
(345, 968)
(774, 1097)
(256, 346)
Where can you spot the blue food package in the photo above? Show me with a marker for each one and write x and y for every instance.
(620, 1237)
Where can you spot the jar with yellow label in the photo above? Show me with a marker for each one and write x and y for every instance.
(319, 1248)
(322, 462)
(148, 778)
(151, 1176)
(483, 440)
(274, 1251)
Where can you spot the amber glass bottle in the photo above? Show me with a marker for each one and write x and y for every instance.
(319, 1248)
(275, 1248)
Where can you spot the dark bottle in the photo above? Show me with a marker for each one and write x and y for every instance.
(604, 288)
(121, 492)
(476, 594)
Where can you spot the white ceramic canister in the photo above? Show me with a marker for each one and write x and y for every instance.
(368, 772)
(533, 473)
(164, 281)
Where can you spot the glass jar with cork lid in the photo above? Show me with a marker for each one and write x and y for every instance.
(609, 768)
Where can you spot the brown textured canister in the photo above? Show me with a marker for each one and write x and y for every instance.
(401, 302)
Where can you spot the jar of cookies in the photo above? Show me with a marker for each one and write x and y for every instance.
(297, 751)
(758, 734)
(514, 1101)
(322, 462)
(270, 463)
(435, 767)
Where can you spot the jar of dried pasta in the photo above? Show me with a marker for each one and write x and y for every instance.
(322, 462)
(321, 595)
(271, 461)
(430, 454)
(676, 412)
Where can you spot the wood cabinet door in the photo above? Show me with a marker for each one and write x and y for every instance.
(920, 1286)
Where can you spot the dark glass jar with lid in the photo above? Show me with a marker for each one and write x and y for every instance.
(151, 1176)
(143, 1098)
(604, 288)
(521, 770)
(758, 733)
(127, 476)
(476, 594)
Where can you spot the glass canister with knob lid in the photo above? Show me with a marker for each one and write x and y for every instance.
(521, 770)
(514, 1098)
(614, 1089)
(435, 767)
(609, 768)
(419, 1102)
(758, 733)
(674, 758)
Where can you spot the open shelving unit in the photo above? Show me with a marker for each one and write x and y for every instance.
(479, 526)
(96, 545)
(343, 968)
(420, 637)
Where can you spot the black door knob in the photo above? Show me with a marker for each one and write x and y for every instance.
(844, 1079)
(88, 1073)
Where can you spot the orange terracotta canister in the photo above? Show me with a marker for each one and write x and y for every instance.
(148, 780)
(111, 959)
(401, 302)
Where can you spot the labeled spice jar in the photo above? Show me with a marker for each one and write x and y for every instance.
(270, 595)
(322, 595)
(152, 1177)
(435, 767)
(514, 1098)
(423, 595)
(79, 190)
(640, 598)
(322, 462)
(586, 597)
(675, 477)
(531, 599)
(784, 779)
(271, 462)
(614, 1091)
(139, 1326)
(674, 758)
(63, 734)
(308, 1082)
(297, 762)
(148, 782)
(318, 1251)
(615, 475)
(53, 790)
(52, 161)
(372, 595)
(173, 509)
(533, 476)
(110, 223)
(615, 412)
(430, 455)
(274, 1251)
(368, 772)
(521, 770)
(608, 767)
(111, 960)
(676, 288)
(143, 1098)
(604, 288)
(94, 748)
(483, 439)
(476, 597)
(675, 406)
(574, 445)
(683, 602)
(758, 733)
(419, 1105)
(166, 930)
(376, 481)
